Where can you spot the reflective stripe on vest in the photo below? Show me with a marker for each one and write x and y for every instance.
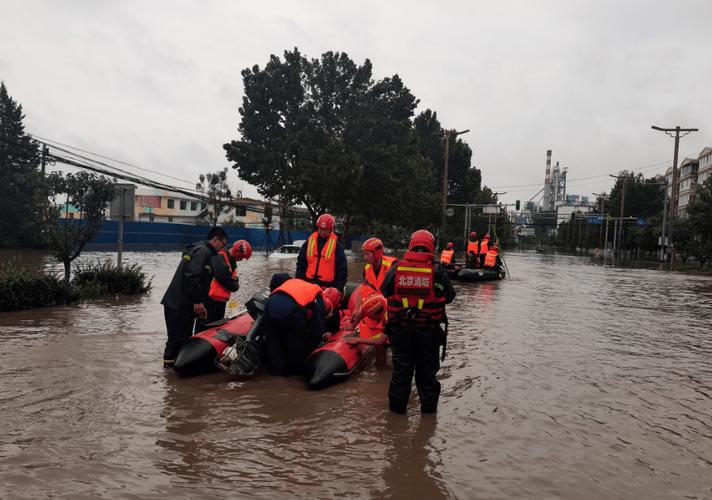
(303, 292)
(446, 256)
(370, 276)
(412, 304)
(491, 258)
(322, 266)
(218, 292)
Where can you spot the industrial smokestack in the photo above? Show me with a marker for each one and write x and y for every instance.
(547, 181)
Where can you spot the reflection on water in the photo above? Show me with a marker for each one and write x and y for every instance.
(566, 381)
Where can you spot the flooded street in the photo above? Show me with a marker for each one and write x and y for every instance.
(568, 380)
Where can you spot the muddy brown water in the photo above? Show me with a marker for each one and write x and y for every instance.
(568, 380)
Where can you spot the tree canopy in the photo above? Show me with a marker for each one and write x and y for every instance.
(21, 187)
(324, 133)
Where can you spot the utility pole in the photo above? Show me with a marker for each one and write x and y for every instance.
(605, 245)
(620, 216)
(446, 137)
(673, 190)
(602, 196)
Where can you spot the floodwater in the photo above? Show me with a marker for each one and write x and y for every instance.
(568, 380)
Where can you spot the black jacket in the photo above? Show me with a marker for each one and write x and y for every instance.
(191, 281)
(341, 266)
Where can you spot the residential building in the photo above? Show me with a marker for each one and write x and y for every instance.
(686, 185)
(705, 165)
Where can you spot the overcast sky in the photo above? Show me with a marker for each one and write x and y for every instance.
(157, 83)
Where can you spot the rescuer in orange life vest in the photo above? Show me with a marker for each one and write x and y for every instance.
(492, 258)
(225, 280)
(377, 264)
(472, 254)
(322, 259)
(295, 322)
(447, 254)
(484, 248)
(417, 289)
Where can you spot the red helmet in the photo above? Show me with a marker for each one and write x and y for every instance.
(486, 236)
(325, 221)
(422, 238)
(374, 306)
(241, 249)
(333, 295)
(473, 235)
(450, 244)
(373, 245)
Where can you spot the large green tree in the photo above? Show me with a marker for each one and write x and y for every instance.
(322, 133)
(22, 191)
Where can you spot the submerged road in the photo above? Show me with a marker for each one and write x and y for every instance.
(568, 380)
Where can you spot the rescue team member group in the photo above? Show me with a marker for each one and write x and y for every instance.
(301, 312)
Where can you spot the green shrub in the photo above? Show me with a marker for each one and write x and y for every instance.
(95, 279)
(22, 289)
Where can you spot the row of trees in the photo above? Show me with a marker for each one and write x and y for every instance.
(645, 202)
(325, 134)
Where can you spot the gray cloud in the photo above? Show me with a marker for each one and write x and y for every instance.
(158, 83)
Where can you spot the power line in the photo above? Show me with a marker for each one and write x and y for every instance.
(52, 142)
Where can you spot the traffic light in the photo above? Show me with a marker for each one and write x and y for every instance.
(516, 205)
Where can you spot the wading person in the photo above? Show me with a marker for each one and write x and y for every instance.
(225, 280)
(185, 298)
(377, 264)
(295, 322)
(322, 259)
(417, 289)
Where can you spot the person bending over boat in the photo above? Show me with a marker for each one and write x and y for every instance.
(295, 317)
(322, 259)
(185, 298)
(417, 289)
(225, 280)
(377, 264)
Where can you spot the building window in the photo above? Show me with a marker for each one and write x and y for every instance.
(203, 205)
(241, 211)
(193, 206)
(171, 203)
(170, 219)
(183, 204)
(150, 218)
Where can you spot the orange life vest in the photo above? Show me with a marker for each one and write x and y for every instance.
(370, 277)
(446, 256)
(218, 292)
(491, 258)
(414, 301)
(303, 292)
(472, 247)
(321, 266)
(484, 246)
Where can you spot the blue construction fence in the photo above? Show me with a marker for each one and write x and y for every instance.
(149, 236)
